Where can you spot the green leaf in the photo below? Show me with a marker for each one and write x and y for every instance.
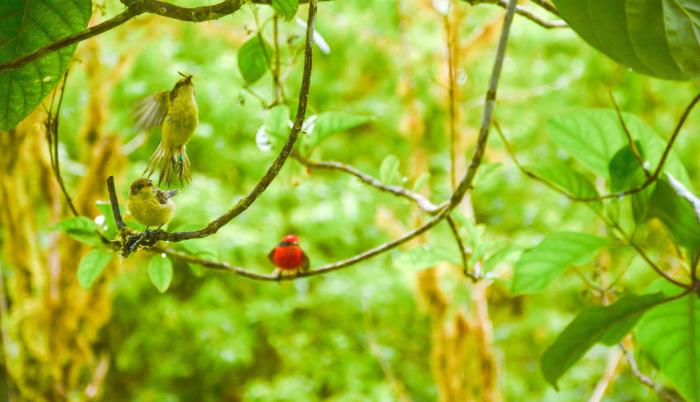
(670, 335)
(565, 178)
(540, 265)
(253, 58)
(594, 136)
(91, 266)
(671, 204)
(625, 174)
(329, 123)
(80, 228)
(160, 271)
(27, 26)
(425, 256)
(389, 170)
(109, 228)
(590, 326)
(286, 8)
(653, 37)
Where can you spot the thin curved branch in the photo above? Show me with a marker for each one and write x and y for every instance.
(313, 272)
(650, 179)
(422, 202)
(462, 251)
(524, 12)
(134, 9)
(556, 188)
(456, 198)
(276, 166)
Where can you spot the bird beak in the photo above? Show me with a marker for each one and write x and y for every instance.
(187, 77)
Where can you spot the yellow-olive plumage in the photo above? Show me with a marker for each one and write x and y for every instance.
(149, 205)
(177, 115)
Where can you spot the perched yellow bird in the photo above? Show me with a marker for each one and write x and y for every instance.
(177, 115)
(148, 205)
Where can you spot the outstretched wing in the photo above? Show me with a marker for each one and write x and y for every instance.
(164, 196)
(151, 111)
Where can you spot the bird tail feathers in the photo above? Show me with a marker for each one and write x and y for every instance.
(170, 162)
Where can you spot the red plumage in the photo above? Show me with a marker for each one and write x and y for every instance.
(288, 256)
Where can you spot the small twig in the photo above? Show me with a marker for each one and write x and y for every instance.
(628, 135)
(664, 393)
(489, 105)
(462, 251)
(547, 6)
(614, 359)
(115, 204)
(645, 184)
(451, 98)
(134, 9)
(276, 166)
(422, 202)
(627, 239)
(526, 13)
(51, 125)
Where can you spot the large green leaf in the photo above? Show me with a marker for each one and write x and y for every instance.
(673, 205)
(91, 266)
(594, 136)
(655, 37)
(80, 228)
(540, 265)
(26, 26)
(160, 271)
(625, 174)
(253, 58)
(566, 179)
(590, 326)
(286, 8)
(670, 335)
(329, 123)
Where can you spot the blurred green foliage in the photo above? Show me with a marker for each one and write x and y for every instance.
(214, 336)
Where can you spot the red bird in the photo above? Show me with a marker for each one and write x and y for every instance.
(288, 257)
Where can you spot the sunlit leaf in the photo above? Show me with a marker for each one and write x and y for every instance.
(253, 58)
(540, 265)
(669, 334)
(654, 37)
(676, 212)
(589, 327)
(286, 8)
(80, 228)
(27, 26)
(91, 266)
(594, 136)
(160, 271)
(329, 123)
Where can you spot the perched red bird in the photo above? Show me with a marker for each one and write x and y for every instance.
(288, 257)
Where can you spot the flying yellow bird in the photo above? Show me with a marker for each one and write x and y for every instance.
(148, 205)
(176, 113)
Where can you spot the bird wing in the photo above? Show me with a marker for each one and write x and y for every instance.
(271, 255)
(151, 111)
(305, 263)
(164, 196)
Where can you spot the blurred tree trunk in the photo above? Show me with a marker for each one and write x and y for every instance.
(50, 323)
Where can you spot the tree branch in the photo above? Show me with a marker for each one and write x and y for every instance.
(663, 393)
(455, 199)
(422, 202)
(276, 166)
(134, 9)
(650, 179)
(528, 14)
